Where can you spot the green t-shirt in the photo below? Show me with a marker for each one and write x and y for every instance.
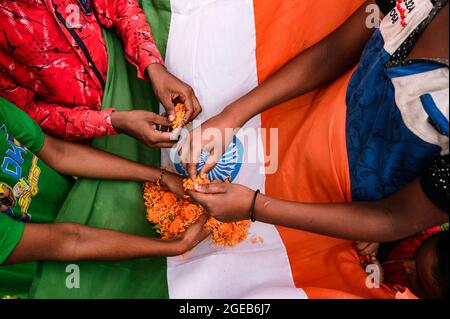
(30, 191)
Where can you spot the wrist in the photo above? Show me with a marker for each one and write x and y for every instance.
(177, 247)
(118, 121)
(155, 70)
(163, 247)
(151, 175)
(259, 210)
(235, 115)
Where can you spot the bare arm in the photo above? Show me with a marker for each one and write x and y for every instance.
(83, 161)
(403, 214)
(80, 160)
(318, 65)
(74, 242)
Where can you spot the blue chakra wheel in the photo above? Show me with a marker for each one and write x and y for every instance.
(228, 166)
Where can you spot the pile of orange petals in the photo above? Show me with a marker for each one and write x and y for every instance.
(180, 113)
(172, 215)
(228, 234)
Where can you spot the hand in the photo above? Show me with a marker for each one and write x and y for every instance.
(193, 236)
(367, 249)
(224, 127)
(225, 202)
(173, 183)
(142, 126)
(168, 88)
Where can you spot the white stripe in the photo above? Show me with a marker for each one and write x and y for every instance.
(212, 47)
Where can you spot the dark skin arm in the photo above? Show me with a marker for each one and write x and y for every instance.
(71, 242)
(316, 66)
(74, 242)
(403, 214)
(79, 160)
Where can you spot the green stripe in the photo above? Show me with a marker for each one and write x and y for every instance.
(115, 205)
(158, 16)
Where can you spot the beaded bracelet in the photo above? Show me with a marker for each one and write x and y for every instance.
(163, 173)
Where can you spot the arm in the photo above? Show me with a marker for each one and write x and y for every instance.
(79, 123)
(318, 65)
(79, 160)
(403, 214)
(131, 23)
(74, 242)
(315, 67)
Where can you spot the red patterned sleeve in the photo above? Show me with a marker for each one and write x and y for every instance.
(72, 124)
(131, 23)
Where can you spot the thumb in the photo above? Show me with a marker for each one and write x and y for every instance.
(161, 120)
(170, 109)
(200, 198)
(210, 163)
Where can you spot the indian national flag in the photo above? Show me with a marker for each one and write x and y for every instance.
(224, 49)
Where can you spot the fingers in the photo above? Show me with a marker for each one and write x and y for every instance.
(366, 249)
(170, 109)
(163, 145)
(199, 227)
(202, 220)
(214, 188)
(191, 103)
(158, 137)
(197, 107)
(161, 120)
(193, 161)
(200, 198)
(188, 103)
(210, 163)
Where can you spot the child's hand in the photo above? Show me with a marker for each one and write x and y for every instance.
(368, 253)
(193, 236)
(173, 183)
(367, 249)
(142, 126)
(225, 202)
(168, 88)
(214, 136)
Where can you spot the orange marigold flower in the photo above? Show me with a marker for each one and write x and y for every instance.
(173, 215)
(189, 184)
(180, 113)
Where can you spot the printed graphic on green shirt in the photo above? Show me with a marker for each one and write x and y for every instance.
(29, 189)
(21, 193)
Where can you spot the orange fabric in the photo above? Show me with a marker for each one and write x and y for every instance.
(313, 164)
(407, 294)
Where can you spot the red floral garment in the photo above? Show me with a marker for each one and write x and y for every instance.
(53, 61)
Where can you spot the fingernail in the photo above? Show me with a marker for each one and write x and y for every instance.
(198, 187)
(171, 118)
